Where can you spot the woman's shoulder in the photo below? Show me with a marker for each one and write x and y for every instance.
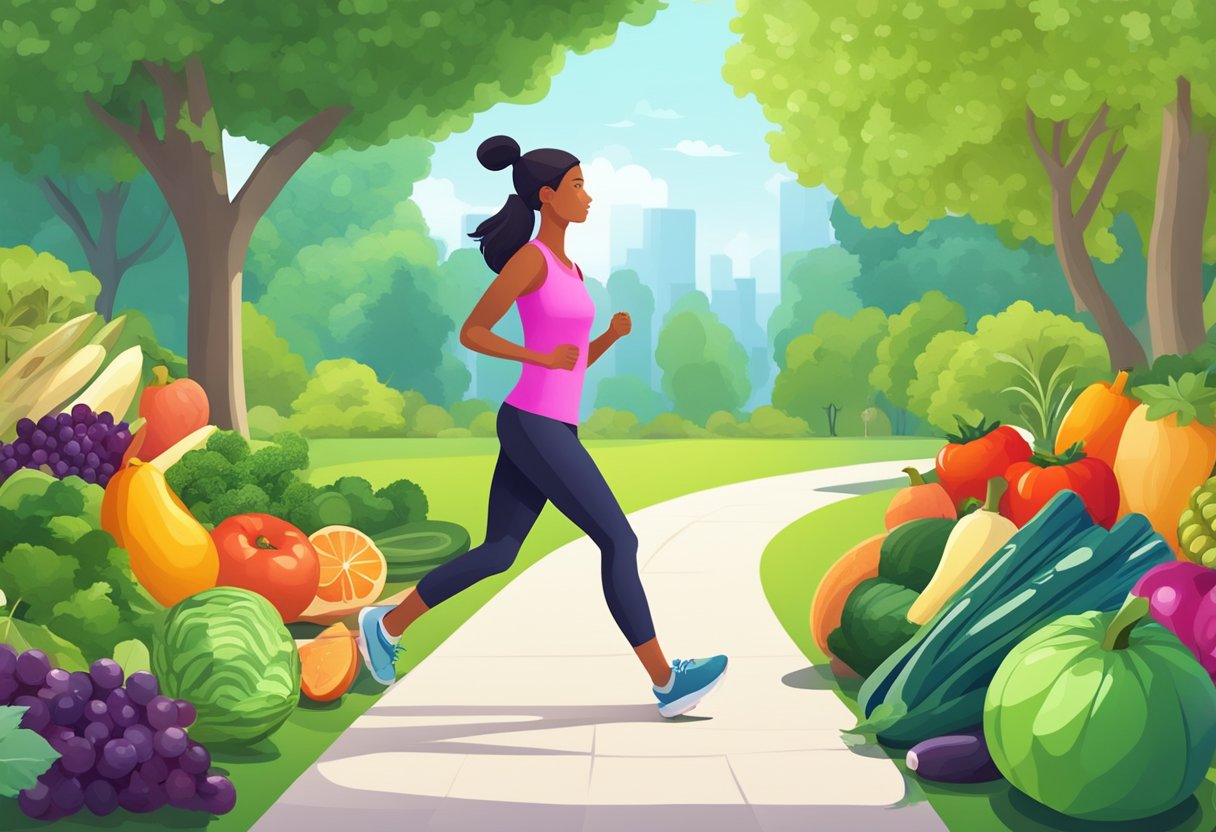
(528, 266)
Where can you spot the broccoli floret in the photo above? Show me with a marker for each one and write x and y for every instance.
(201, 476)
(408, 499)
(295, 506)
(244, 500)
(230, 444)
(266, 466)
(369, 513)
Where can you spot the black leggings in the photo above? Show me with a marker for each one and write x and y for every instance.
(542, 459)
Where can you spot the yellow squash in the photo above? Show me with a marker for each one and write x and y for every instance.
(972, 541)
(172, 555)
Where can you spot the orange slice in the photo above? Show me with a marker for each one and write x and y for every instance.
(329, 664)
(353, 570)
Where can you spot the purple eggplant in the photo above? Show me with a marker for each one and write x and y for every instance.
(957, 758)
(1182, 598)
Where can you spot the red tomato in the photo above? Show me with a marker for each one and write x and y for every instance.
(1033, 483)
(975, 455)
(271, 557)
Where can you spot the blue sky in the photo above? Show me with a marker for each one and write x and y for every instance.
(634, 112)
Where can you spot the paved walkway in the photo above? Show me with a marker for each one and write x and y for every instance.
(568, 738)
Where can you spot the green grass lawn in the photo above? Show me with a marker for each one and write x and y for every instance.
(455, 474)
(792, 567)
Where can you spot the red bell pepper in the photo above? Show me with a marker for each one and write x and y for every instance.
(1034, 482)
(976, 454)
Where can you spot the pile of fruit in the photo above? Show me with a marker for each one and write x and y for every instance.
(179, 553)
(1061, 634)
(112, 744)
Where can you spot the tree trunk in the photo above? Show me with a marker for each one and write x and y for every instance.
(1175, 251)
(216, 230)
(102, 253)
(1124, 348)
(1069, 225)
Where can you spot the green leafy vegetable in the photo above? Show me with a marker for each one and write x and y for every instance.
(23, 635)
(24, 755)
(132, 656)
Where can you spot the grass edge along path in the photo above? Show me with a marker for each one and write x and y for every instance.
(792, 566)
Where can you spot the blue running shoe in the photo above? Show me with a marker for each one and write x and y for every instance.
(379, 654)
(690, 680)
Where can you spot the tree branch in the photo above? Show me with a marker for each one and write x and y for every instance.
(68, 212)
(1096, 128)
(1110, 162)
(1052, 167)
(137, 140)
(198, 95)
(1057, 134)
(172, 93)
(281, 161)
(138, 254)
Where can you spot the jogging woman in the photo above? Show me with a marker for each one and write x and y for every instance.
(541, 458)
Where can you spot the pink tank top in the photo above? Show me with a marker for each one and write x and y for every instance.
(559, 312)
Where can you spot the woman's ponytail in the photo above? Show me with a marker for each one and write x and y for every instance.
(511, 228)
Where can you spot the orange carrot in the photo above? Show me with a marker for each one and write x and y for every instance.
(1097, 419)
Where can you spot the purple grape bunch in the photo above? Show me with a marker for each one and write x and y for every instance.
(79, 443)
(121, 742)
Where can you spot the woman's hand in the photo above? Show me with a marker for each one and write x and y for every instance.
(621, 324)
(563, 357)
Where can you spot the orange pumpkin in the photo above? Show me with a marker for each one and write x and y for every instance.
(173, 410)
(918, 501)
(853, 567)
(1097, 419)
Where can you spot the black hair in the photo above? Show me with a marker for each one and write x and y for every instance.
(511, 228)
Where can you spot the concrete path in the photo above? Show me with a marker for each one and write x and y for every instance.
(535, 715)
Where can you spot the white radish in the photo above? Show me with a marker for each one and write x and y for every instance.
(115, 389)
(66, 381)
(42, 357)
(171, 455)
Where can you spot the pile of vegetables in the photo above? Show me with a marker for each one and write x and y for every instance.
(71, 591)
(1066, 639)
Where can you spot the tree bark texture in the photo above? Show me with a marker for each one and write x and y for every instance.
(1069, 225)
(1175, 252)
(188, 166)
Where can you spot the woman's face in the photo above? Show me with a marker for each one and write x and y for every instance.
(570, 201)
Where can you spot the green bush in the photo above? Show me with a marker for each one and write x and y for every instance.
(466, 411)
(454, 433)
(608, 423)
(344, 398)
(265, 422)
(430, 420)
(672, 426)
(770, 423)
(484, 425)
(723, 423)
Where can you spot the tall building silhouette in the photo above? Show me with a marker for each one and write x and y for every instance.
(721, 273)
(805, 217)
(624, 233)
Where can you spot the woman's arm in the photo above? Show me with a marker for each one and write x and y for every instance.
(600, 346)
(522, 274)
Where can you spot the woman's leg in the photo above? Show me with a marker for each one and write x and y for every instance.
(550, 454)
(513, 508)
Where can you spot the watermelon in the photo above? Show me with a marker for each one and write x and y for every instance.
(226, 651)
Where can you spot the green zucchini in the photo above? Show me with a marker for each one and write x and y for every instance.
(1060, 563)
(911, 552)
(873, 624)
(414, 549)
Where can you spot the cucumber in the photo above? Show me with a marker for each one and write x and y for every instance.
(414, 549)
(911, 552)
(957, 758)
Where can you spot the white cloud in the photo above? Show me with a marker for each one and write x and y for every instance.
(617, 154)
(696, 147)
(625, 123)
(773, 183)
(609, 185)
(444, 210)
(644, 109)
